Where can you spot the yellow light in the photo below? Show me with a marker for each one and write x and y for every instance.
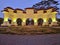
(35, 20)
(5, 19)
(14, 20)
(23, 20)
(54, 20)
(44, 20)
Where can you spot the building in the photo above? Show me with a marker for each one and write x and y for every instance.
(39, 17)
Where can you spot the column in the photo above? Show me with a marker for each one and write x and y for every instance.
(54, 22)
(35, 22)
(45, 22)
(14, 23)
(5, 23)
(23, 22)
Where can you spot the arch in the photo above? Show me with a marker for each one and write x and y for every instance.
(49, 21)
(19, 21)
(29, 21)
(40, 21)
(10, 21)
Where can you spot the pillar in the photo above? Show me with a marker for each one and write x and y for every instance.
(5, 22)
(35, 22)
(54, 22)
(23, 22)
(45, 22)
(14, 23)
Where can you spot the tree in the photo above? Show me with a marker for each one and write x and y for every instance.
(46, 4)
(1, 21)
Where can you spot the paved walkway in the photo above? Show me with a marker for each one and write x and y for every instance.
(47, 39)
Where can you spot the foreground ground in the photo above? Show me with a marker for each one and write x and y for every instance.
(29, 30)
(49, 39)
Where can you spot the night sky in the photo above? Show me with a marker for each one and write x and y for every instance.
(18, 4)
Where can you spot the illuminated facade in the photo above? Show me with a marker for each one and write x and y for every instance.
(29, 13)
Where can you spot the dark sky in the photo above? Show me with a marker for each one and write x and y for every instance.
(18, 4)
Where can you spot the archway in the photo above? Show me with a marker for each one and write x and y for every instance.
(29, 21)
(40, 22)
(19, 22)
(10, 21)
(49, 21)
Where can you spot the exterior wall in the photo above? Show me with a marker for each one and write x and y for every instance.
(30, 14)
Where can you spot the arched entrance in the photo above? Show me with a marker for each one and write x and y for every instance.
(29, 21)
(49, 21)
(40, 22)
(19, 22)
(10, 21)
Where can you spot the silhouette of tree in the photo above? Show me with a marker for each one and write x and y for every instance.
(45, 4)
(1, 21)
